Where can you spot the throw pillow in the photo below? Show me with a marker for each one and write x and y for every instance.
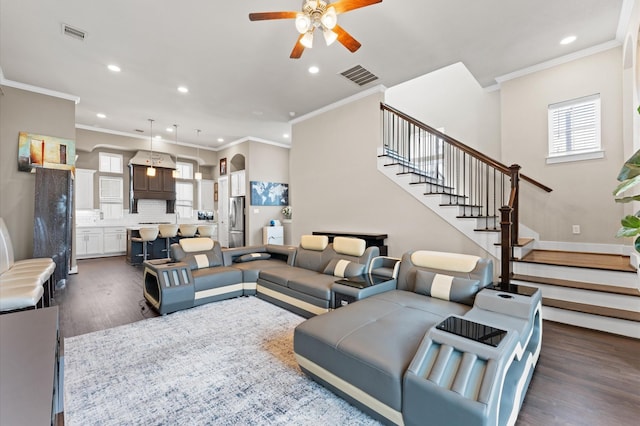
(446, 287)
(344, 268)
(251, 256)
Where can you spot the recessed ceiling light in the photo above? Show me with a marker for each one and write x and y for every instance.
(169, 129)
(286, 135)
(568, 40)
(183, 89)
(157, 137)
(101, 115)
(220, 140)
(114, 68)
(314, 70)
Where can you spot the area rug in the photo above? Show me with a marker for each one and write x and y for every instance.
(225, 363)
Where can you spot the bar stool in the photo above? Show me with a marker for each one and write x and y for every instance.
(146, 235)
(188, 230)
(168, 232)
(206, 230)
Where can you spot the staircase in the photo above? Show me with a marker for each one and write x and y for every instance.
(479, 197)
(591, 290)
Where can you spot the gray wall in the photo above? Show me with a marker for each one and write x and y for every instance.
(336, 186)
(34, 113)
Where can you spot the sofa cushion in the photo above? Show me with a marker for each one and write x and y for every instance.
(202, 260)
(343, 268)
(446, 287)
(349, 246)
(190, 245)
(251, 257)
(314, 284)
(370, 343)
(223, 276)
(444, 261)
(314, 242)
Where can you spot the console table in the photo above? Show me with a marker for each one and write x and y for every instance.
(29, 367)
(371, 239)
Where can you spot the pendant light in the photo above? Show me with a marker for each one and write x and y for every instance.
(176, 173)
(151, 171)
(198, 175)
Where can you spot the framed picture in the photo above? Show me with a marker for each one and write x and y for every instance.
(215, 191)
(39, 151)
(223, 166)
(269, 194)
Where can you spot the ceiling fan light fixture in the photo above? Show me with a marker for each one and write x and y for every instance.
(329, 18)
(329, 36)
(303, 22)
(307, 40)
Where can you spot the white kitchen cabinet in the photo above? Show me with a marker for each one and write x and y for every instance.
(84, 189)
(88, 242)
(115, 240)
(238, 183)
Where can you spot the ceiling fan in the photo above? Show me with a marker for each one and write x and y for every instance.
(318, 14)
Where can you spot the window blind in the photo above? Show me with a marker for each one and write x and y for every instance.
(574, 126)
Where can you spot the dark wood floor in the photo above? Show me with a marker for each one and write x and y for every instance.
(583, 377)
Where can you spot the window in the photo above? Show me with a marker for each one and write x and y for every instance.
(184, 199)
(185, 169)
(574, 130)
(111, 197)
(110, 163)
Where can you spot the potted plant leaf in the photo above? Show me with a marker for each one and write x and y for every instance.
(629, 177)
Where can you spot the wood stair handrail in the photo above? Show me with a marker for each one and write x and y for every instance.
(465, 148)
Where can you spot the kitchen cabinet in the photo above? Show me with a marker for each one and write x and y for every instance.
(162, 186)
(88, 242)
(84, 189)
(115, 240)
(238, 183)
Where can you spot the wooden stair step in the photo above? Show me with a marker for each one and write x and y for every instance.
(592, 309)
(521, 242)
(603, 261)
(578, 285)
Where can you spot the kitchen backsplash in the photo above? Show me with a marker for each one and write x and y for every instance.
(148, 211)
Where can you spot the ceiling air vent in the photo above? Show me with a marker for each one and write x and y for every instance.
(74, 32)
(359, 75)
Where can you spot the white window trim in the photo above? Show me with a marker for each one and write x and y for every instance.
(110, 155)
(582, 155)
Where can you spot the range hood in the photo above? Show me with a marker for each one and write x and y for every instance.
(158, 159)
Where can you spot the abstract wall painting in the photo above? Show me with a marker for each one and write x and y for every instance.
(40, 151)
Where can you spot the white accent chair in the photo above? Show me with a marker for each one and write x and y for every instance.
(22, 282)
(146, 236)
(168, 231)
(206, 230)
(188, 230)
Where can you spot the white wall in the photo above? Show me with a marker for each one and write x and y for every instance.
(582, 191)
(451, 98)
(336, 186)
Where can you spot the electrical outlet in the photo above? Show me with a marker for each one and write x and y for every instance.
(576, 229)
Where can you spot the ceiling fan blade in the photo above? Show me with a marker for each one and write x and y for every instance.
(342, 6)
(346, 39)
(262, 16)
(297, 49)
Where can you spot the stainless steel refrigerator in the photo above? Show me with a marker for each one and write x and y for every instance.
(236, 222)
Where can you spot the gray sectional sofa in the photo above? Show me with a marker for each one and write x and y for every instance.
(386, 355)
(298, 279)
(304, 287)
(434, 343)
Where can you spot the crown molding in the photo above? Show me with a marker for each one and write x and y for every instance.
(376, 89)
(559, 61)
(36, 89)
